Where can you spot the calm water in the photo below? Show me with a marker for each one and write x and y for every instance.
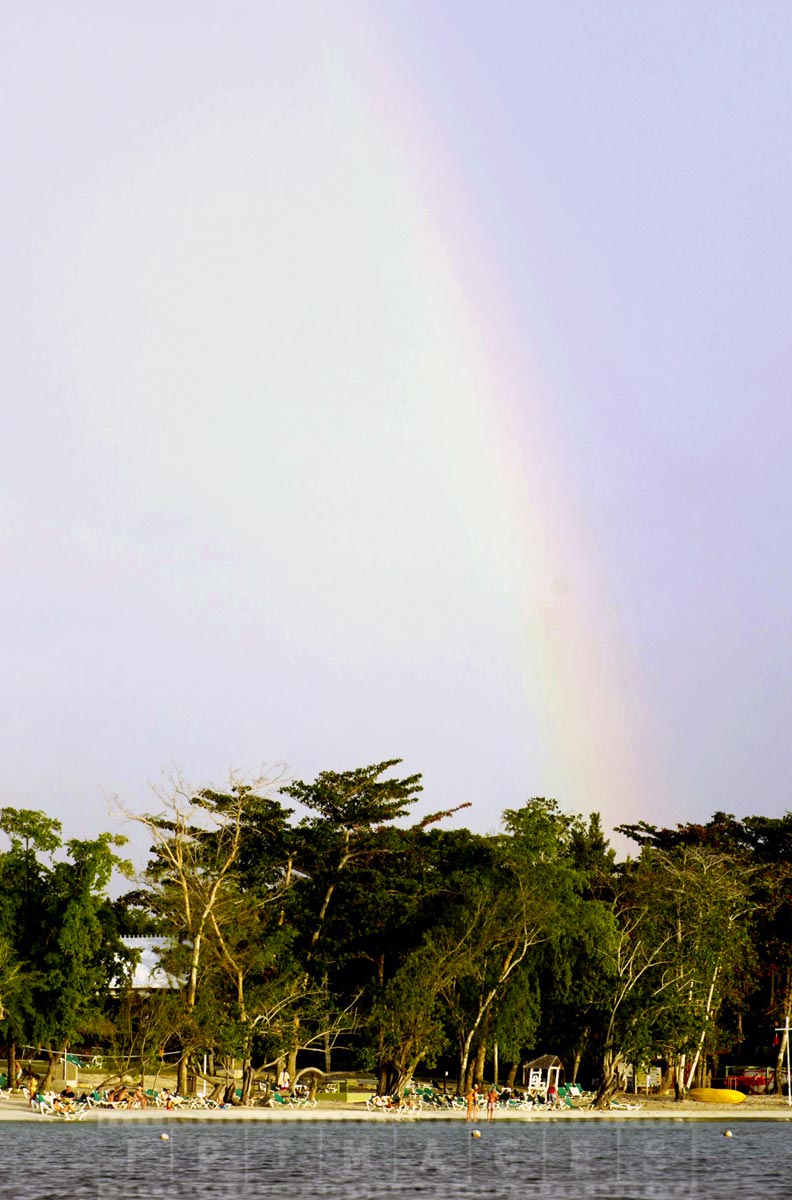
(377, 1161)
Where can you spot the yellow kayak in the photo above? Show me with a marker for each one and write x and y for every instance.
(717, 1095)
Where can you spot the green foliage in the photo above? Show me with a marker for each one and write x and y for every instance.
(352, 800)
(60, 948)
(338, 928)
(30, 831)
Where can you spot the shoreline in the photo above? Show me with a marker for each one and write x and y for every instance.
(754, 1108)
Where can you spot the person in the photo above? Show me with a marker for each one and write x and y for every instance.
(284, 1080)
(472, 1102)
(32, 1090)
(139, 1097)
(552, 1096)
(492, 1100)
(68, 1093)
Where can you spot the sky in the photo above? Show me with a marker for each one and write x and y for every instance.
(397, 380)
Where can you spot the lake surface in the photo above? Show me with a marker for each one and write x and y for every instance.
(396, 1159)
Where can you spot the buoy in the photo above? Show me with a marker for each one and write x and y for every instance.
(475, 1133)
(164, 1137)
(727, 1133)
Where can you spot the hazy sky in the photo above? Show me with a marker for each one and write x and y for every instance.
(404, 380)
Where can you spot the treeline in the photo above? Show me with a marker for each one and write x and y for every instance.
(313, 925)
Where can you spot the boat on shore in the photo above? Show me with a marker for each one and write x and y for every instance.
(717, 1095)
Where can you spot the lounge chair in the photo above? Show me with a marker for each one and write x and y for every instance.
(197, 1101)
(42, 1104)
(45, 1107)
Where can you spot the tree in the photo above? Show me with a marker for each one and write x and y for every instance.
(408, 1012)
(196, 845)
(635, 956)
(347, 829)
(521, 892)
(22, 892)
(575, 968)
(758, 855)
(350, 808)
(63, 948)
(682, 915)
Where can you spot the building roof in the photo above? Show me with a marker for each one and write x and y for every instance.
(542, 1064)
(148, 973)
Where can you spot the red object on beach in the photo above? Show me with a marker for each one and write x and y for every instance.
(756, 1082)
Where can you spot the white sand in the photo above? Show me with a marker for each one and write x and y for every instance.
(762, 1108)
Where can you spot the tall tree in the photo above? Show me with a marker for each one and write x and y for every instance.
(196, 846)
(521, 894)
(346, 829)
(65, 950)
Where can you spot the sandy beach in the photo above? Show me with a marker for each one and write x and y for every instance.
(762, 1108)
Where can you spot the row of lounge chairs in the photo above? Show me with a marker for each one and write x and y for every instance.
(417, 1098)
(52, 1104)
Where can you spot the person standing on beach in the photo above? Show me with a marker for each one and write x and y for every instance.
(472, 1101)
(492, 1100)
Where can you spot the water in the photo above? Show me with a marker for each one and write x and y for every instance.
(391, 1160)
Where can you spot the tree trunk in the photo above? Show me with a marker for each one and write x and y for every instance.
(181, 1076)
(576, 1065)
(380, 1030)
(404, 1073)
(478, 1065)
(611, 1079)
(707, 1012)
(778, 1083)
(387, 1078)
(247, 1080)
(465, 1070)
(512, 1073)
(778, 1086)
(291, 1057)
(328, 1055)
(46, 1082)
(12, 1063)
(667, 1078)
